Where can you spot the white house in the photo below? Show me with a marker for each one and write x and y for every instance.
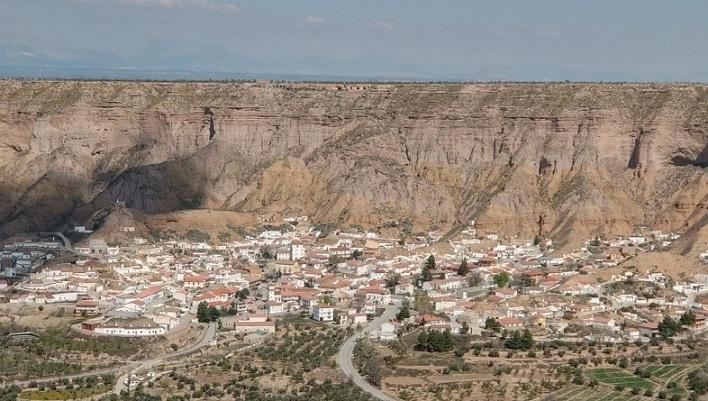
(377, 295)
(297, 250)
(599, 322)
(637, 239)
(357, 319)
(323, 313)
(626, 299)
(404, 288)
(195, 281)
(275, 307)
(387, 332)
(444, 285)
(444, 303)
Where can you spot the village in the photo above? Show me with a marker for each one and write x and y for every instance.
(413, 293)
(347, 276)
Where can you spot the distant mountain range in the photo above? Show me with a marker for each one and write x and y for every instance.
(156, 62)
(206, 63)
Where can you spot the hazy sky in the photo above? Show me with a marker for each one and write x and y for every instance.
(638, 40)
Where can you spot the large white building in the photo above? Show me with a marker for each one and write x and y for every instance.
(140, 327)
(297, 250)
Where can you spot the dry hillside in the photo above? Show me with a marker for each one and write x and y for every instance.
(560, 160)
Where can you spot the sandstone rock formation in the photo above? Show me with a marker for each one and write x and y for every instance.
(560, 160)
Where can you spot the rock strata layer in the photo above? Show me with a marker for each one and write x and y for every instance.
(560, 160)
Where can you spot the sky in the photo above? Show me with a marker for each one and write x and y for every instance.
(487, 40)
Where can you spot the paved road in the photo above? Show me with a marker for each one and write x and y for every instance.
(65, 240)
(344, 357)
(206, 337)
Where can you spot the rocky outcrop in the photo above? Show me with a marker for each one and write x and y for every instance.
(560, 160)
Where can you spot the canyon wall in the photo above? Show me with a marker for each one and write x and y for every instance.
(560, 160)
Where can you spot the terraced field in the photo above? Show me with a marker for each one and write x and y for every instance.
(584, 393)
(668, 379)
(615, 376)
(669, 373)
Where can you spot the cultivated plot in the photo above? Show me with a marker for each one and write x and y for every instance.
(584, 393)
(614, 377)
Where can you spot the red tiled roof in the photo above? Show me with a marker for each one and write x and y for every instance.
(148, 292)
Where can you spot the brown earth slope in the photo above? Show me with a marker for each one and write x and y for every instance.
(562, 160)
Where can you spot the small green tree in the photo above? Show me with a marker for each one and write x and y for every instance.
(446, 343)
(403, 314)
(436, 341)
(430, 262)
(520, 341)
(527, 339)
(669, 327)
(214, 314)
(578, 377)
(422, 341)
(463, 269)
(426, 274)
(203, 315)
(623, 363)
(688, 318)
(501, 279)
(392, 280)
(492, 324)
(243, 294)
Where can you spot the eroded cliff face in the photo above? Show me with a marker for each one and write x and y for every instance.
(562, 161)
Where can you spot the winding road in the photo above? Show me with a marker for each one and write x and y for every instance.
(346, 351)
(206, 337)
(65, 240)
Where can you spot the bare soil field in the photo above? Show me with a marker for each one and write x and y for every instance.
(210, 221)
(32, 317)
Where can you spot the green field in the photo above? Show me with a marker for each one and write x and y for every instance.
(668, 372)
(615, 376)
(666, 378)
(584, 393)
